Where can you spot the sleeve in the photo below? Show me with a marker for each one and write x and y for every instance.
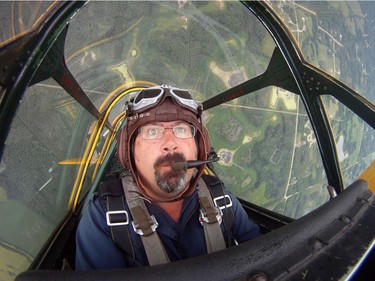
(243, 228)
(94, 246)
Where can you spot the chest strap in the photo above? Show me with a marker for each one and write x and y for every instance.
(210, 218)
(144, 224)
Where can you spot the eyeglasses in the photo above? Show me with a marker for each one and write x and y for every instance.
(151, 96)
(154, 132)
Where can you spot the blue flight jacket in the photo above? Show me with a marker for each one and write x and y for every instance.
(183, 239)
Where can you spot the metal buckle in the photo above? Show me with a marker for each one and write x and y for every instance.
(204, 219)
(154, 226)
(108, 217)
(216, 199)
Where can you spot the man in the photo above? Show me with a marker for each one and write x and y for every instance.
(167, 212)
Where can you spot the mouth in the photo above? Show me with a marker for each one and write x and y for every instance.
(167, 170)
(165, 163)
(164, 166)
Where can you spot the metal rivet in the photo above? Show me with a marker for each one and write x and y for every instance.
(257, 276)
(345, 219)
(317, 244)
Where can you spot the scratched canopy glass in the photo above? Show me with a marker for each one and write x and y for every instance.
(21, 17)
(38, 170)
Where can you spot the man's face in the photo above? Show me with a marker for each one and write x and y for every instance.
(153, 158)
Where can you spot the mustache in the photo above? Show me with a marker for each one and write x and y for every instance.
(169, 158)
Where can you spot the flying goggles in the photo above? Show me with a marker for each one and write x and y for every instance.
(150, 97)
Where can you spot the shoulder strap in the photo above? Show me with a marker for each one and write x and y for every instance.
(210, 194)
(144, 224)
(210, 218)
(118, 218)
(223, 202)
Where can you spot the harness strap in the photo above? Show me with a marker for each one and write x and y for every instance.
(144, 224)
(211, 218)
(224, 203)
(118, 221)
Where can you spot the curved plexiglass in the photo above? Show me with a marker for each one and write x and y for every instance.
(268, 151)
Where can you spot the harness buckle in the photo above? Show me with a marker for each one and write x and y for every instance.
(114, 222)
(203, 218)
(153, 226)
(225, 204)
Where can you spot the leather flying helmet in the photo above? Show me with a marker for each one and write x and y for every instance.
(161, 104)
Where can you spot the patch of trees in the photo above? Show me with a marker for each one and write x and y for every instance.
(230, 131)
(276, 176)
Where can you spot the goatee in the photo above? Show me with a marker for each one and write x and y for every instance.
(171, 181)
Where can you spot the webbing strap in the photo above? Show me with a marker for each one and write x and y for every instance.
(144, 224)
(120, 232)
(212, 231)
(222, 202)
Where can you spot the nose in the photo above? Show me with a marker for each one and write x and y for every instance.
(169, 143)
